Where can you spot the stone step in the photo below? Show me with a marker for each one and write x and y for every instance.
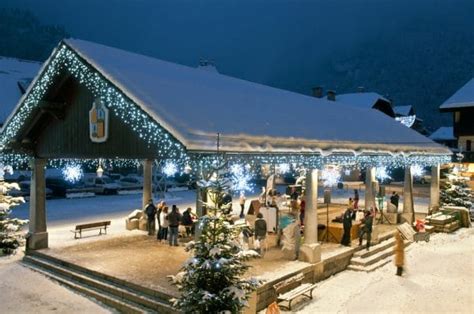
(163, 297)
(381, 238)
(100, 296)
(371, 267)
(375, 248)
(372, 259)
(110, 290)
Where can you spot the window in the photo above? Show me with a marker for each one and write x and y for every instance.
(468, 145)
(457, 116)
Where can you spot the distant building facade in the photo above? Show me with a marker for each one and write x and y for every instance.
(461, 104)
(15, 77)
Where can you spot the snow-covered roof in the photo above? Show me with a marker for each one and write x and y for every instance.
(195, 105)
(445, 133)
(362, 100)
(463, 98)
(402, 110)
(12, 72)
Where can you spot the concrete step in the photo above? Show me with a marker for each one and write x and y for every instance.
(375, 248)
(163, 297)
(100, 296)
(371, 267)
(114, 294)
(372, 259)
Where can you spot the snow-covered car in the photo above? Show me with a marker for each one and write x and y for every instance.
(25, 188)
(102, 185)
(131, 183)
(423, 179)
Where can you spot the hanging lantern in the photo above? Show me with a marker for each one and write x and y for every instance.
(100, 171)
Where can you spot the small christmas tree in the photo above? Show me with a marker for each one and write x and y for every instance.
(10, 238)
(211, 281)
(455, 189)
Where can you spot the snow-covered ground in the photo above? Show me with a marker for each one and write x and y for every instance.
(438, 279)
(25, 291)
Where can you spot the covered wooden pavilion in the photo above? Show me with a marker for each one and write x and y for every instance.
(91, 101)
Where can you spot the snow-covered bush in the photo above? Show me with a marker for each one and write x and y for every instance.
(211, 281)
(10, 238)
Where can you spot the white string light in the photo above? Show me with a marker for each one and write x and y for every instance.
(72, 173)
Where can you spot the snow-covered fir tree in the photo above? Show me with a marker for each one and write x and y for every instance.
(211, 281)
(455, 189)
(10, 238)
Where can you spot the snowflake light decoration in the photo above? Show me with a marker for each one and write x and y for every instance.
(330, 176)
(382, 174)
(240, 179)
(170, 169)
(72, 173)
(417, 171)
(283, 168)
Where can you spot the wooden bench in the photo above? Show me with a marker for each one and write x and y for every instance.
(101, 225)
(297, 289)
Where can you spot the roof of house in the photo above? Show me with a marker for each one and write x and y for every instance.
(194, 105)
(463, 98)
(402, 110)
(445, 133)
(362, 100)
(12, 73)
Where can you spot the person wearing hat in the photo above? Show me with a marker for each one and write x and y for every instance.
(366, 229)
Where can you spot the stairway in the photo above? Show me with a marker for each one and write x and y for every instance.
(122, 296)
(379, 254)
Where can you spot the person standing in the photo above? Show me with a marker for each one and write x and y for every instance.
(394, 199)
(164, 224)
(366, 229)
(173, 219)
(242, 200)
(260, 231)
(347, 224)
(356, 199)
(399, 253)
(150, 211)
(161, 206)
(187, 221)
(302, 210)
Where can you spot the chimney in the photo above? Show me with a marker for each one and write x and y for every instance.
(360, 89)
(331, 95)
(317, 92)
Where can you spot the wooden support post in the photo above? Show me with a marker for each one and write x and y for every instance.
(37, 237)
(311, 250)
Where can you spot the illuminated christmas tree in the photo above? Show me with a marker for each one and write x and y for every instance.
(10, 238)
(211, 281)
(455, 189)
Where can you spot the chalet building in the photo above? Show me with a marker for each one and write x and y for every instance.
(461, 104)
(367, 100)
(15, 76)
(407, 116)
(445, 136)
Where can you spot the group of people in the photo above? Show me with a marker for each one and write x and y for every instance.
(168, 221)
(365, 229)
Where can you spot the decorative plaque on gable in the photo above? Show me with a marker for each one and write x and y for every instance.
(98, 122)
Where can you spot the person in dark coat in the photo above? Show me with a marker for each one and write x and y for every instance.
(187, 221)
(347, 224)
(366, 229)
(173, 219)
(394, 199)
(150, 211)
(260, 230)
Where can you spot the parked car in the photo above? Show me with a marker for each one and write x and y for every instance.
(130, 183)
(60, 187)
(423, 179)
(25, 188)
(102, 185)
